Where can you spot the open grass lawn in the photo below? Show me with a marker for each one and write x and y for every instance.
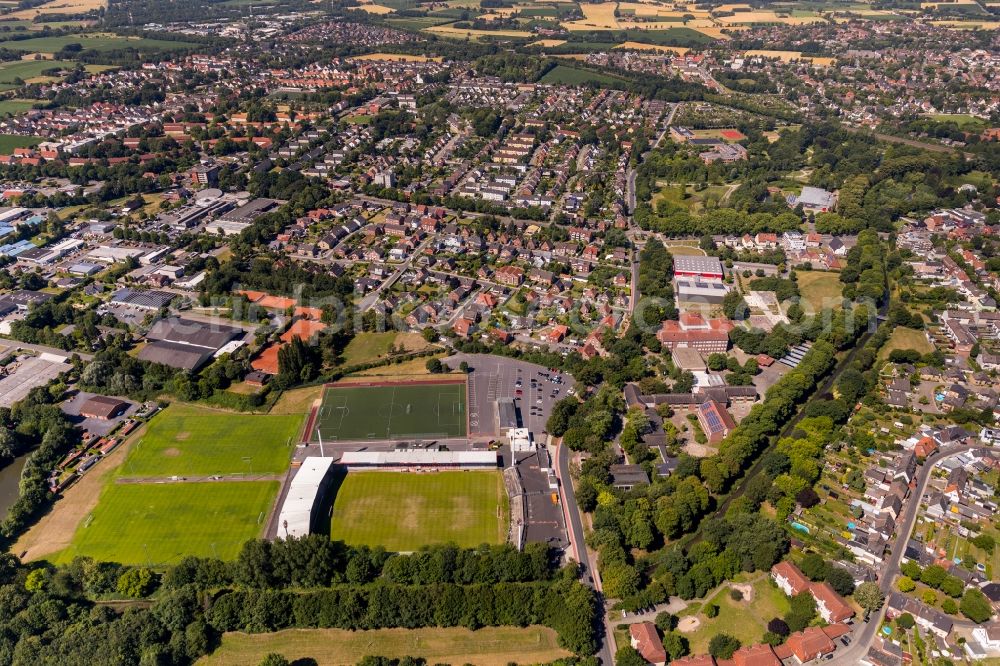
(907, 338)
(393, 412)
(573, 76)
(418, 22)
(820, 289)
(187, 440)
(410, 368)
(963, 120)
(745, 620)
(8, 142)
(159, 524)
(696, 201)
(403, 511)
(101, 42)
(489, 646)
(371, 347)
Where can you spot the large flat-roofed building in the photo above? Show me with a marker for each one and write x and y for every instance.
(704, 267)
(417, 458)
(303, 508)
(185, 344)
(143, 299)
(250, 211)
(814, 199)
(700, 290)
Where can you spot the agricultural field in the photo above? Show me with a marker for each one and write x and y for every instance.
(820, 289)
(29, 71)
(392, 411)
(489, 646)
(396, 57)
(8, 142)
(158, 524)
(96, 41)
(188, 440)
(58, 7)
(403, 511)
(461, 33)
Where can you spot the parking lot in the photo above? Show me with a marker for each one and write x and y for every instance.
(493, 378)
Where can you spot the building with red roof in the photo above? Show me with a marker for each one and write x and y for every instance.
(788, 577)
(830, 605)
(694, 331)
(647, 642)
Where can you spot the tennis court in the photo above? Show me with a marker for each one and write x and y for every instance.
(431, 409)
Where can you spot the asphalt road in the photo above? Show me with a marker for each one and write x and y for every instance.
(864, 633)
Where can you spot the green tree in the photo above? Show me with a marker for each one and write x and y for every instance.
(135, 583)
(274, 659)
(975, 606)
(722, 646)
(629, 656)
(905, 584)
(434, 366)
(869, 596)
(675, 645)
(36, 580)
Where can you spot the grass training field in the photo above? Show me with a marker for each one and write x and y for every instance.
(403, 511)
(186, 440)
(159, 524)
(391, 412)
(489, 646)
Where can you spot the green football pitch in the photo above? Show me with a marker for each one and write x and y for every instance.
(403, 511)
(187, 440)
(392, 412)
(158, 524)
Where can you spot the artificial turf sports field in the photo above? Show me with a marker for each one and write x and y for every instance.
(418, 409)
(187, 440)
(403, 511)
(158, 524)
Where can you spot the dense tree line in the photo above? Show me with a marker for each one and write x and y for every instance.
(50, 615)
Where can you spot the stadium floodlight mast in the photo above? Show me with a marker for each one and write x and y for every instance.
(322, 453)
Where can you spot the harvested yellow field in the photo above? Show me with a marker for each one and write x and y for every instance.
(716, 33)
(600, 15)
(968, 25)
(397, 57)
(783, 56)
(57, 7)
(734, 8)
(376, 9)
(449, 31)
(935, 5)
(548, 43)
(639, 46)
